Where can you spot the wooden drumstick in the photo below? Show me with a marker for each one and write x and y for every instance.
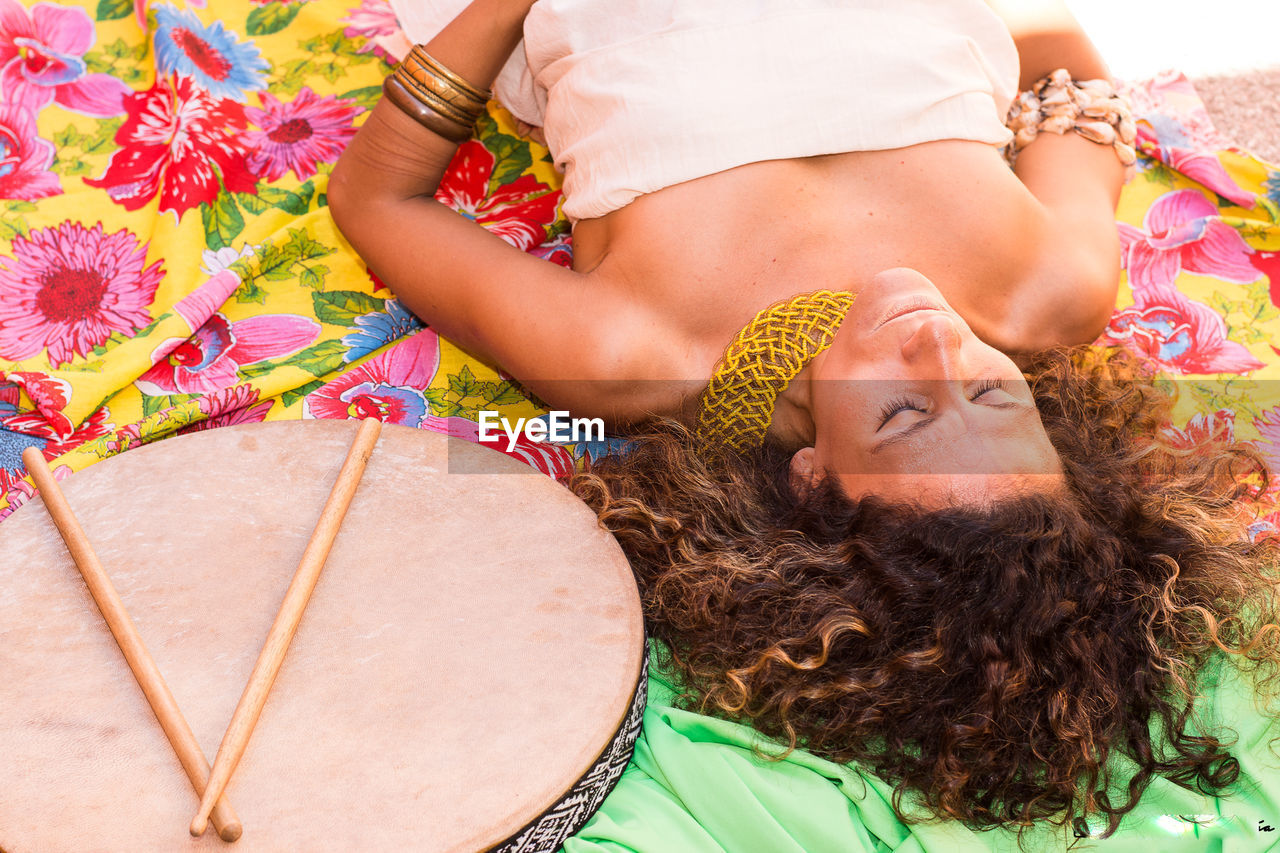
(285, 626)
(126, 634)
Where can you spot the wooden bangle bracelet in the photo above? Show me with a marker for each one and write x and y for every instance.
(420, 56)
(442, 125)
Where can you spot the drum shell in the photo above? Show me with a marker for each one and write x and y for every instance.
(471, 646)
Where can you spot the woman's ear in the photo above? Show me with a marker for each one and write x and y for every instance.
(803, 474)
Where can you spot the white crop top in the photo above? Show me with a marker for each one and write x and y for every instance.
(637, 95)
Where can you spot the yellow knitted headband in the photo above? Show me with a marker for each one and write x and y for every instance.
(737, 407)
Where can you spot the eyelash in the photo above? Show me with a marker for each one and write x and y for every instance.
(894, 406)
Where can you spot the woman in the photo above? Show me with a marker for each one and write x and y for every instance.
(1015, 261)
(897, 465)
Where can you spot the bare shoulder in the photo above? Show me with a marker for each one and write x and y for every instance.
(1069, 292)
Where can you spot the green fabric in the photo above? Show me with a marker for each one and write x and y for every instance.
(695, 784)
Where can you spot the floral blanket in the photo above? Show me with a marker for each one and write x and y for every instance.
(168, 263)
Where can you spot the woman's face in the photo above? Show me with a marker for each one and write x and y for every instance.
(908, 404)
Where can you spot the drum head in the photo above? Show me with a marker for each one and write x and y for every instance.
(472, 647)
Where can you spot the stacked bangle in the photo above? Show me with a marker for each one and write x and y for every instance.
(1056, 103)
(434, 96)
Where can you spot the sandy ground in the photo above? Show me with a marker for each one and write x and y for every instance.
(1246, 108)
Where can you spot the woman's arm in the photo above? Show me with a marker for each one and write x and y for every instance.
(1077, 181)
(500, 303)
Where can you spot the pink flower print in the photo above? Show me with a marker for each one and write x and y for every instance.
(1171, 105)
(1268, 426)
(1177, 334)
(209, 360)
(125, 438)
(69, 288)
(204, 301)
(1181, 231)
(518, 212)
(1161, 141)
(177, 142)
(388, 386)
(1201, 430)
(18, 491)
(308, 130)
(231, 406)
(42, 60)
(238, 405)
(50, 395)
(375, 21)
(24, 157)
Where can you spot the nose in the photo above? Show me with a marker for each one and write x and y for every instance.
(933, 346)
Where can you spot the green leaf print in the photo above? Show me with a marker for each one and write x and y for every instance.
(313, 276)
(272, 18)
(342, 307)
(222, 221)
(113, 10)
(288, 398)
(463, 383)
(151, 405)
(366, 96)
(319, 360)
(290, 202)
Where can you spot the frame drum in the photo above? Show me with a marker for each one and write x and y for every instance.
(468, 673)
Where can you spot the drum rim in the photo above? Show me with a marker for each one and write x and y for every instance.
(587, 794)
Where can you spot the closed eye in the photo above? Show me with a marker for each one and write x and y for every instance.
(988, 385)
(892, 408)
(905, 404)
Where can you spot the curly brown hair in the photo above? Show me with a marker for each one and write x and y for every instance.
(988, 660)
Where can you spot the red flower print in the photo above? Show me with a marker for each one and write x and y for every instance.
(94, 426)
(24, 157)
(175, 142)
(1181, 231)
(50, 395)
(518, 212)
(68, 288)
(1201, 430)
(1177, 334)
(297, 135)
(210, 359)
(1268, 263)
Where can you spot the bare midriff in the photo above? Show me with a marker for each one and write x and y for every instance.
(707, 254)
